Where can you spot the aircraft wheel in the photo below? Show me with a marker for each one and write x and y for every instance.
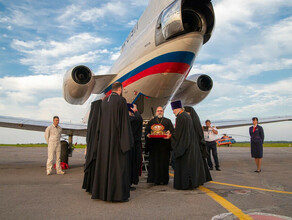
(64, 151)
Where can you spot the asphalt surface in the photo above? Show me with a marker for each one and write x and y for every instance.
(27, 193)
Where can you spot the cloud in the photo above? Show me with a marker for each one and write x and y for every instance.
(102, 70)
(132, 22)
(115, 55)
(234, 101)
(29, 89)
(51, 57)
(247, 52)
(232, 16)
(17, 17)
(139, 3)
(76, 14)
(49, 107)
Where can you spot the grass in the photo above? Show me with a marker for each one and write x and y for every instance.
(267, 144)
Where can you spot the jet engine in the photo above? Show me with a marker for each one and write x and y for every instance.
(183, 17)
(194, 89)
(78, 84)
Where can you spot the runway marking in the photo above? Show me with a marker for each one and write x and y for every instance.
(250, 187)
(226, 204)
(223, 202)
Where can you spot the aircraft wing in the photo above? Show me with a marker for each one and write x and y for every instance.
(101, 82)
(238, 123)
(36, 125)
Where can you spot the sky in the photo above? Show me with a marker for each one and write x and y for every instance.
(249, 58)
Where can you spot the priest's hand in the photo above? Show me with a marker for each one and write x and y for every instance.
(148, 135)
(168, 135)
(134, 108)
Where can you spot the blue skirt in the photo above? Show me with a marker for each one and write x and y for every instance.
(256, 149)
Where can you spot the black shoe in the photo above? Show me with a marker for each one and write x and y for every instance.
(132, 188)
(218, 169)
(258, 171)
(211, 168)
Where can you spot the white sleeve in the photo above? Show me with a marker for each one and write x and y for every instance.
(47, 134)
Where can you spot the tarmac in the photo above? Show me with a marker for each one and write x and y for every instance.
(236, 192)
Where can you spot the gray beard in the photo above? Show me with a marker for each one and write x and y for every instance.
(159, 116)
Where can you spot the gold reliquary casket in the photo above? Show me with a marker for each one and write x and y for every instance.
(157, 131)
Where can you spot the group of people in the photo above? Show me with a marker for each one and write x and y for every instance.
(114, 148)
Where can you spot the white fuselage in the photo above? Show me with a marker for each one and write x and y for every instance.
(158, 54)
(141, 66)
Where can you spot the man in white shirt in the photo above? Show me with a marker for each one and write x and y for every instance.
(53, 135)
(210, 138)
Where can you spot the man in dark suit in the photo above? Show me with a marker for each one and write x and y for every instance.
(256, 143)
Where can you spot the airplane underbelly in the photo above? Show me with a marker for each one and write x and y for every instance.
(154, 86)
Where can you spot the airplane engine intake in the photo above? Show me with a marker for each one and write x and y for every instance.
(78, 83)
(183, 17)
(204, 82)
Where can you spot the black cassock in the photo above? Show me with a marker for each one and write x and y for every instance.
(189, 169)
(200, 138)
(159, 152)
(111, 179)
(92, 137)
(136, 150)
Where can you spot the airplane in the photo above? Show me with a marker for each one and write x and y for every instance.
(155, 59)
(153, 65)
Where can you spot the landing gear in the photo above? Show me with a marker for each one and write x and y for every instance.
(66, 149)
(70, 147)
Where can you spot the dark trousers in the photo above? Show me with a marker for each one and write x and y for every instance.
(212, 146)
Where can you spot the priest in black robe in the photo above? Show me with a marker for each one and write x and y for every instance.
(159, 150)
(136, 151)
(92, 137)
(111, 180)
(189, 170)
(199, 138)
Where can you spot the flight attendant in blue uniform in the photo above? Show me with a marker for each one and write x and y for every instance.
(256, 142)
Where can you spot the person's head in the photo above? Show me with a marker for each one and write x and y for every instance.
(188, 109)
(56, 120)
(255, 120)
(208, 123)
(176, 107)
(117, 87)
(159, 112)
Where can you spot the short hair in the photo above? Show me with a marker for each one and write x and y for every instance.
(159, 107)
(55, 117)
(255, 118)
(116, 85)
(207, 121)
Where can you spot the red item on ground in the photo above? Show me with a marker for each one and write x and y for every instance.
(63, 165)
